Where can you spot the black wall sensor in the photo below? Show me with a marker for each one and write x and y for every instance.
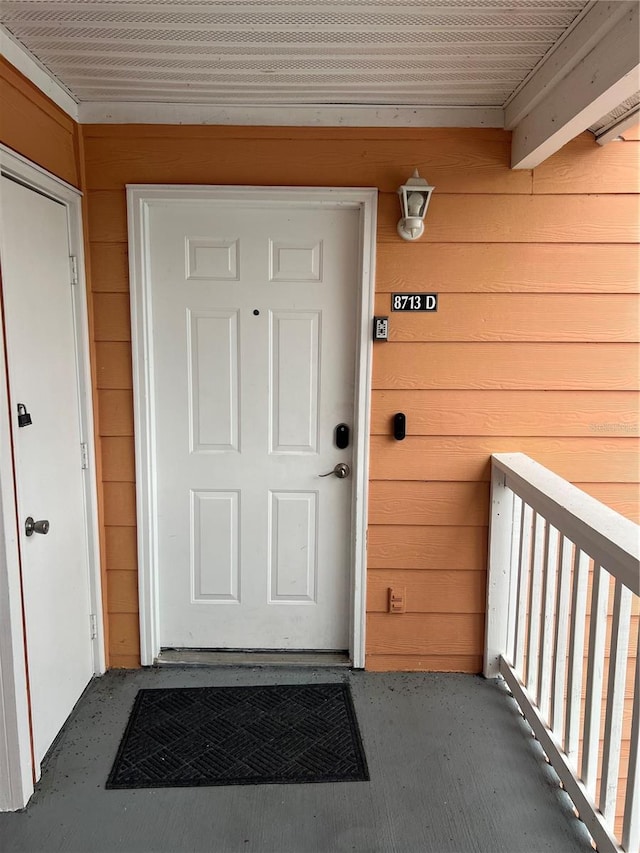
(399, 426)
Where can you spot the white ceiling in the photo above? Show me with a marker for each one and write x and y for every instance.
(314, 52)
(546, 69)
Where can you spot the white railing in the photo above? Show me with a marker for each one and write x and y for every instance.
(554, 554)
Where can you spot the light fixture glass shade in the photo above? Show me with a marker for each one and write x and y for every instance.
(415, 196)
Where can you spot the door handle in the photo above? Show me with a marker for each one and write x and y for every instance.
(341, 470)
(31, 526)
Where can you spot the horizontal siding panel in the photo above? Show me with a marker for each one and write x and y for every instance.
(630, 671)
(119, 504)
(507, 268)
(629, 686)
(507, 366)
(456, 219)
(123, 592)
(35, 127)
(454, 161)
(14, 79)
(625, 749)
(626, 719)
(424, 663)
(545, 413)
(516, 317)
(623, 497)
(607, 460)
(109, 268)
(633, 644)
(519, 219)
(115, 412)
(118, 461)
(113, 365)
(107, 216)
(635, 606)
(211, 133)
(582, 166)
(121, 552)
(111, 318)
(420, 547)
(425, 633)
(117, 661)
(440, 504)
(124, 632)
(428, 592)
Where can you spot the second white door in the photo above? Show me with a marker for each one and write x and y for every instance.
(43, 377)
(253, 318)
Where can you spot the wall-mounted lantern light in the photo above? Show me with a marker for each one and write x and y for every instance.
(415, 196)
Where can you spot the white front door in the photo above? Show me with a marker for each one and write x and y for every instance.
(254, 323)
(43, 376)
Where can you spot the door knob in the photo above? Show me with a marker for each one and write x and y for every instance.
(31, 526)
(341, 470)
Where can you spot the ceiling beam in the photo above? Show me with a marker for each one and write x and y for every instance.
(618, 127)
(577, 42)
(570, 99)
(329, 115)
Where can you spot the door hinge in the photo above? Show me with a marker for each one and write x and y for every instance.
(73, 263)
(93, 623)
(84, 456)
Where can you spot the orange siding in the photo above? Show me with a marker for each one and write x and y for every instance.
(534, 347)
(632, 133)
(35, 127)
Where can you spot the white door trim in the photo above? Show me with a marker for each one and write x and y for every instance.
(139, 199)
(15, 739)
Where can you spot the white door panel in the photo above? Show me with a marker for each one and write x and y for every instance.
(254, 328)
(42, 368)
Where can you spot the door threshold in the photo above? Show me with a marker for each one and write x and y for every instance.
(250, 657)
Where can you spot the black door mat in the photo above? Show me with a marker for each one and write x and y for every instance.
(276, 734)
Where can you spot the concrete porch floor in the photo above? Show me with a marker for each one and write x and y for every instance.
(454, 769)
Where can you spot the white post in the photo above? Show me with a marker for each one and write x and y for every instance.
(499, 573)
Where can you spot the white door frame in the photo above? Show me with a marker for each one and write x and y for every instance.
(16, 786)
(140, 198)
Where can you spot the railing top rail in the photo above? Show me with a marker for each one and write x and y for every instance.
(609, 538)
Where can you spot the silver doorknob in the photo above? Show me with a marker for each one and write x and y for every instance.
(341, 470)
(31, 526)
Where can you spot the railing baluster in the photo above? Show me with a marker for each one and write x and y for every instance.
(514, 587)
(535, 594)
(615, 701)
(560, 638)
(595, 674)
(559, 542)
(524, 568)
(631, 821)
(549, 580)
(576, 652)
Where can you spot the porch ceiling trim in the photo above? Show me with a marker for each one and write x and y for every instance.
(561, 101)
(352, 115)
